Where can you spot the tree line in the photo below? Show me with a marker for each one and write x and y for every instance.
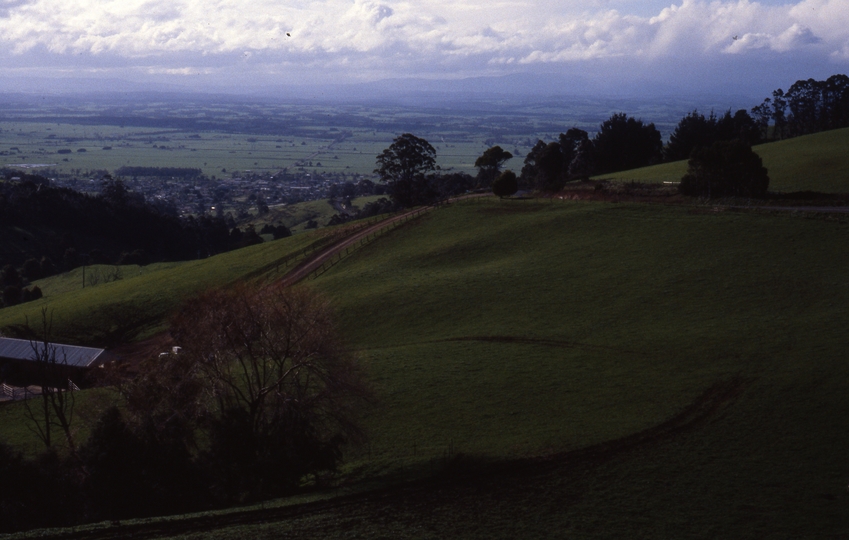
(718, 146)
(408, 165)
(808, 106)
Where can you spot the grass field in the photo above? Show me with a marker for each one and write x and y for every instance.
(140, 303)
(509, 329)
(811, 163)
(296, 216)
(500, 330)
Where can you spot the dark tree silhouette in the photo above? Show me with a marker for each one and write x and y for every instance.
(808, 106)
(489, 164)
(570, 143)
(551, 166)
(505, 184)
(530, 169)
(694, 130)
(284, 390)
(584, 163)
(624, 143)
(403, 165)
(738, 126)
(725, 169)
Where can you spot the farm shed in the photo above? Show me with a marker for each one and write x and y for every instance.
(19, 364)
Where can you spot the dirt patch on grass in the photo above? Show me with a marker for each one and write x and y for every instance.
(130, 355)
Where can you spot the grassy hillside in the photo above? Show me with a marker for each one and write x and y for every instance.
(139, 303)
(516, 328)
(296, 216)
(816, 162)
(513, 329)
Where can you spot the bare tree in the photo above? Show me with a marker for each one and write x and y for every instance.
(55, 407)
(283, 390)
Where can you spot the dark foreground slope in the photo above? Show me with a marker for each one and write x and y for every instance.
(547, 369)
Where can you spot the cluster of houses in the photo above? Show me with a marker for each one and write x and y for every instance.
(246, 190)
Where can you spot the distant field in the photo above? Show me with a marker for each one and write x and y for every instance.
(818, 162)
(220, 137)
(216, 154)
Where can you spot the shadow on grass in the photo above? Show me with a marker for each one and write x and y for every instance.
(455, 475)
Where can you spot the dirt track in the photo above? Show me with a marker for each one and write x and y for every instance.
(460, 482)
(316, 261)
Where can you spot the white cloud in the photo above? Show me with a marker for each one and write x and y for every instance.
(361, 38)
(185, 71)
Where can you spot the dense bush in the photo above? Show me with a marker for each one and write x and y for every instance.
(725, 169)
(505, 184)
(277, 231)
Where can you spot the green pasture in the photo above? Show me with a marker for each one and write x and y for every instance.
(512, 328)
(139, 303)
(296, 216)
(600, 304)
(498, 330)
(817, 162)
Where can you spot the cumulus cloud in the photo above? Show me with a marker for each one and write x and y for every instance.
(402, 37)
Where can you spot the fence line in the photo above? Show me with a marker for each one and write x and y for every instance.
(313, 247)
(12, 392)
(327, 265)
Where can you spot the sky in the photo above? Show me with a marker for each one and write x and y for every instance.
(599, 46)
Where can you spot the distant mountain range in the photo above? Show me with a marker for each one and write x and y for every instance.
(412, 91)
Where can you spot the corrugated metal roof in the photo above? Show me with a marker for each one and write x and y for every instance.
(22, 349)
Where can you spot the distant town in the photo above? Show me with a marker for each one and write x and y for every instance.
(242, 193)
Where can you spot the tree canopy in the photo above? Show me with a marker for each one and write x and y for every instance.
(695, 131)
(489, 164)
(807, 107)
(505, 184)
(404, 165)
(725, 169)
(407, 157)
(624, 143)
